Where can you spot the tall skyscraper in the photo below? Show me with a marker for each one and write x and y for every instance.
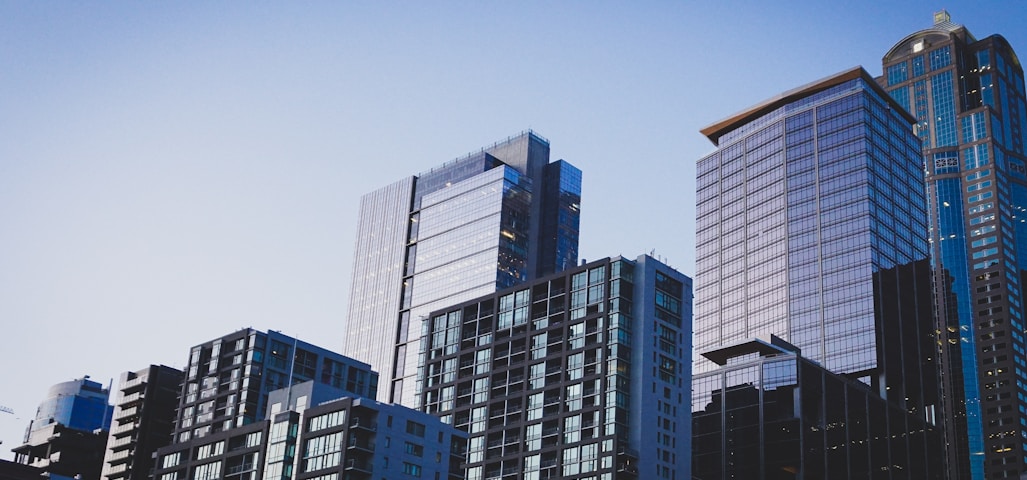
(968, 99)
(579, 375)
(482, 222)
(68, 435)
(144, 418)
(812, 227)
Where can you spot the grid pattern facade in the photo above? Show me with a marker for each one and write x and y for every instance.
(799, 212)
(968, 97)
(581, 375)
(227, 380)
(488, 220)
(812, 226)
(346, 438)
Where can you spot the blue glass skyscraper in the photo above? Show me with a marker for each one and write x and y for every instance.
(486, 221)
(968, 99)
(68, 435)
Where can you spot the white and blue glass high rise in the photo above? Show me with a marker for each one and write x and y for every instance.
(968, 98)
(486, 221)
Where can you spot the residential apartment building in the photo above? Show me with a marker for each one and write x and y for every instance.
(967, 95)
(485, 221)
(228, 379)
(313, 431)
(579, 375)
(812, 227)
(144, 419)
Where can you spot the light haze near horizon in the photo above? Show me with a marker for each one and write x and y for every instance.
(171, 172)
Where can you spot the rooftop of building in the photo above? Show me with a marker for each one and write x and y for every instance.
(717, 130)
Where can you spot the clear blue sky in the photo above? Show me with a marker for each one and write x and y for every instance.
(173, 171)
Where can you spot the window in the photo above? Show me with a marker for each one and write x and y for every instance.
(413, 449)
(415, 428)
(411, 469)
(327, 420)
(207, 472)
(171, 460)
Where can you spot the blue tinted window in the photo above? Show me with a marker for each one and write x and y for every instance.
(920, 96)
(983, 59)
(941, 58)
(898, 73)
(987, 90)
(973, 127)
(901, 95)
(944, 110)
(918, 66)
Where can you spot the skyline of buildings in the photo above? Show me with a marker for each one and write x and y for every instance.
(482, 222)
(968, 99)
(832, 257)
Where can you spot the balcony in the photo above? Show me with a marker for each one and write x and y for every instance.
(364, 425)
(131, 399)
(360, 445)
(122, 443)
(134, 384)
(237, 469)
(357, 465)
(119, 457)
(124, 429)
(126, 413)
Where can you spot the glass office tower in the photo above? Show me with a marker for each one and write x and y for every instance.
(968, 99)
(482, 222)
(812, 226)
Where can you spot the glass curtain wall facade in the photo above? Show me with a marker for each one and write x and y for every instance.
(488, 220)
(968, 99)
(812, 226)
(582, 375)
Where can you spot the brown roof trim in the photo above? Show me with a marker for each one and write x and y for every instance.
(725, 126)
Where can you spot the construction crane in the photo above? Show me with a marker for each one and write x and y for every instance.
(4, 409)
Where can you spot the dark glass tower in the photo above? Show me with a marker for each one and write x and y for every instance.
(482, 222)
(968, 99)
(812, 226)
